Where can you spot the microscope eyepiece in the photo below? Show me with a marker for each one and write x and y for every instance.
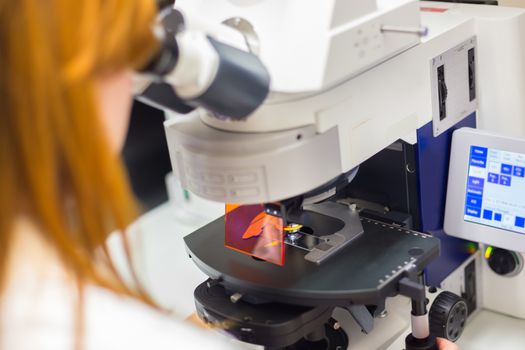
(165, 60)
(164, 4)
(204, 72)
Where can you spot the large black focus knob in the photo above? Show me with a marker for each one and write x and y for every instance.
(447, 316)
(503, 262)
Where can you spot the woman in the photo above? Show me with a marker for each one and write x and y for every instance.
(65, 99)
(65, 96)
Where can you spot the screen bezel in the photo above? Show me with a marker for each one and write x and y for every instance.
(455, 224)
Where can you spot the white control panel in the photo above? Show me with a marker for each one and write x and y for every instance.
(486, 189)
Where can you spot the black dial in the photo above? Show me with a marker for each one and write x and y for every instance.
(503, 262)
(448, 316)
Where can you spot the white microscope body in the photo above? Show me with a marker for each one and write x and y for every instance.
(342, 89)
(348, 78)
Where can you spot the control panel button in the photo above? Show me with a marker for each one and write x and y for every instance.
(214, 179)
(242, 178)
(245, 192)
(214, 191)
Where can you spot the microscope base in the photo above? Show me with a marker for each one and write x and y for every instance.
(420, 344)
(273, 325)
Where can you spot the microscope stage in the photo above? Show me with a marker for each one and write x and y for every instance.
(365, 272)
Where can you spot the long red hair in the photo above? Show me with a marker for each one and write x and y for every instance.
(55, 161)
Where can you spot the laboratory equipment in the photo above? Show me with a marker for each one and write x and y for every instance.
(351, 142)
(486, 204)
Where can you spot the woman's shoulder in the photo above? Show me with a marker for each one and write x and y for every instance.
(44, 318)
(113, 321)
(39, 308)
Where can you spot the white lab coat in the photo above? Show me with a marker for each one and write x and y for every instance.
(38, 310)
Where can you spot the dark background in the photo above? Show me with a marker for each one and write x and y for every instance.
(146, 155)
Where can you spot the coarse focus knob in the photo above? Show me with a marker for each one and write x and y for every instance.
(503, 262)
(448, 316)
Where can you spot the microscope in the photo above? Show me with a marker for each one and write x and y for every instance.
(325, 127)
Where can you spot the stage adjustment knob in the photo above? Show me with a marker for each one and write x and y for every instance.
(448, 316)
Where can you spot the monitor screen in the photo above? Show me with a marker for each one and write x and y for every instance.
(495, 191)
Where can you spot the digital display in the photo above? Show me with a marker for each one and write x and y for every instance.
(496, 189)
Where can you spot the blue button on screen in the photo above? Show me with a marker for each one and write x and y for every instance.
(475, 212)
(474, 201)
(519, 222)
(504, 180)
(475, 182)
(479, 162)
(506, 169)
(519, 171)
(475, 191)
(487, 214)
(476, 151)
(493, 178)
(497, 217)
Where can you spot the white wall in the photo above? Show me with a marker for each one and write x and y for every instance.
(515, 3)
